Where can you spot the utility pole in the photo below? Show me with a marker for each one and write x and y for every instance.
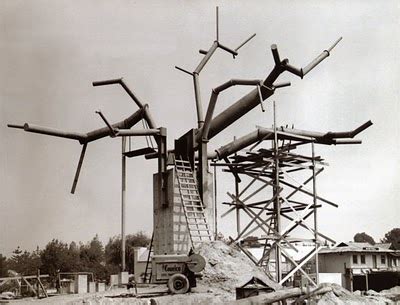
(123, 198)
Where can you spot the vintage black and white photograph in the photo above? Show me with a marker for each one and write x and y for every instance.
(199, 152)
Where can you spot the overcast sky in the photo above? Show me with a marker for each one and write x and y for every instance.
(51, 51)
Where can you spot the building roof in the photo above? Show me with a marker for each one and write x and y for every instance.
(350, 247)
(384, 245)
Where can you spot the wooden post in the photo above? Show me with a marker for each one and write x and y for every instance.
(19, 287)
(44, 289)
(277, 204)
(38, 286)
(236, 202)
(280, 295)
(29, 285)
(215, 205)
(351, 280)
(315, 216)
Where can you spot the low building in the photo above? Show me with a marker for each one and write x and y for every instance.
(363, 266)
(141, 256)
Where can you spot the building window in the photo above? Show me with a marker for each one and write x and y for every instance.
(355, 259)
(383, 259)
(362, 259)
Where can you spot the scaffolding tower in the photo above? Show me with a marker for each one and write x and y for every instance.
(276, 195)
(275, 202)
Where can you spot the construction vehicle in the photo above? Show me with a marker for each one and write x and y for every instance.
(177, 270)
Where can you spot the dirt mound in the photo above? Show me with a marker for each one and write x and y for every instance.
(228, 268)
(392, 294)
(338, 290)
(340, 295)
(393, 290)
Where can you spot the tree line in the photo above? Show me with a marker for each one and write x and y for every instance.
(58, 256)
(392, 237)
(103, 261)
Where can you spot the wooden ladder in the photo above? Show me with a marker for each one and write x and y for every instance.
(148, 270)
(198, 228)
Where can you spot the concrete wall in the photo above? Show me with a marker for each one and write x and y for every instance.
(81, 283)
(139, 266)
(100, 287)
(123, 278)
(91, 287)
(140, 269)
(170, 232)
(334, 262)
(113, 280)
(169, 226)
(335, 278)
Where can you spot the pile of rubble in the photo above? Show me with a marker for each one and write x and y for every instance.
(327, 294)
(228, 268)
(339, 295)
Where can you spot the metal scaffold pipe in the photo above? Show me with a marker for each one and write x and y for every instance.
(217, 23)
(214, 96)
(120, 81)
(53, 132)
(244, 42)
(349, 134)
(261, 134)
(112, 130)
(252, 99)
(125, 124)
(320, 58)
(207, 56)
(138, 133)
